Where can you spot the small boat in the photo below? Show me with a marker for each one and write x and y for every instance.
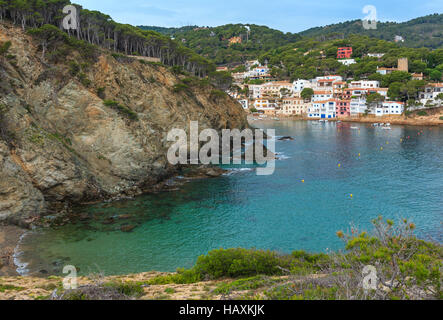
(387, 128)
(375, 124)
(355, 128)
(388, 124)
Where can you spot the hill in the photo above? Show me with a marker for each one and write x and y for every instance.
(98, 29)
(424, 31)
(231, 43)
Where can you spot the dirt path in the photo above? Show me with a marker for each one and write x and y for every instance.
(32, 288)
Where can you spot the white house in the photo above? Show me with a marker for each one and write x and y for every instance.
(322, 95)
(389, 108)
(255, 91)
(332, 77)
(244, 103)
(431, 92)
(364, 84)
(358, 107)
(323, 109)
(347, 62)
(385, 71)
(376, 55)
(300, 84)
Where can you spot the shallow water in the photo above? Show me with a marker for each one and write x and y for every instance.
(394, 177)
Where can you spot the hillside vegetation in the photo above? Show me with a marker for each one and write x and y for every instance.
(96, 28)
(307, 59)
(424, 31)
(213, 43)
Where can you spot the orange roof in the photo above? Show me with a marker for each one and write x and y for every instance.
(394, 102)
(298, 99)
(324, 101)
(322, 92)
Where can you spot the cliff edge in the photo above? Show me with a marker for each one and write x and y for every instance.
(76, 128)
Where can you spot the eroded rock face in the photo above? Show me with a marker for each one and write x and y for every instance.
(65, 145)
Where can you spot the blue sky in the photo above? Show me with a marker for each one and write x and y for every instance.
(285, 15)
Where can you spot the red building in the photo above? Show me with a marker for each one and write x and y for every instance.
(344, 53)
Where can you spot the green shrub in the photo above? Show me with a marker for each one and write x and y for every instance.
(84, 79)
(101, 92)
(181, 277)
(74, 68)
(8, 287)
(240, 263)
(129, 289)
(441, 118)
(244, 284)
(422, 113)
(4, 48)
(121, 109)
(170, 290)
(217, 94)
(179, 87)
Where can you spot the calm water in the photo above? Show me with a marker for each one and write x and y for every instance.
(276, 212)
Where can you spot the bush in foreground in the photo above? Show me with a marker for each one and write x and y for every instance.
(389, 263)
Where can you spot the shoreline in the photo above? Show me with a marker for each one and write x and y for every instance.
(10, 237)
(414, 120)
(394, 121)
(11, 234)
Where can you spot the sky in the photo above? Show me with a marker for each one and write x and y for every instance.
(284, 15)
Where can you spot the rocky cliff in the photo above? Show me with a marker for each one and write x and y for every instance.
(72, 131)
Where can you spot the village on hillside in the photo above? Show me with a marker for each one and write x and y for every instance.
(326, 97)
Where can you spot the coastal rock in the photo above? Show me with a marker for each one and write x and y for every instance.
(286, 139)
(128, 228)
(66, 146)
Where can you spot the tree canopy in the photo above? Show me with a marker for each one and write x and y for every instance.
(99, 29)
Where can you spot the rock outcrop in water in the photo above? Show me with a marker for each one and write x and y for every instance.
(68, 136)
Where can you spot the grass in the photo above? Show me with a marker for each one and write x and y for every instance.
(130, 289)
(170, 290)
(8, 287)
(121, 109)
(244, 284)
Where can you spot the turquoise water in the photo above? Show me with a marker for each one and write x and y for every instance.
(278, 212)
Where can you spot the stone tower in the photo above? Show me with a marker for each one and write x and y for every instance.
(403, 64)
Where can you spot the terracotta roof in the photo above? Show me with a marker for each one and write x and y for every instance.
(324, 101)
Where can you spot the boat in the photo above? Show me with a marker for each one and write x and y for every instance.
(387, 128)
(355, 128)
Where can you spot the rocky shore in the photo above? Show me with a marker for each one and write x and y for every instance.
(9, 238)
(65, 140)
(433, 118)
